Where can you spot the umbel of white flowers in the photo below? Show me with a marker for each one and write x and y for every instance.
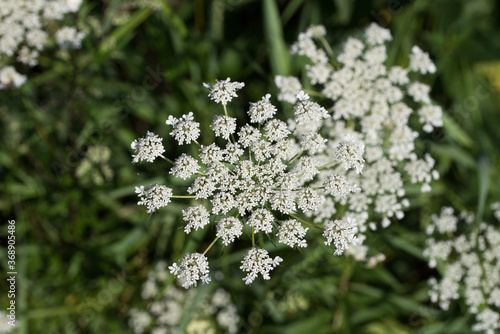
(259, 180)
(22, 33)
(372, 104)
(164, 310)
(469, 264)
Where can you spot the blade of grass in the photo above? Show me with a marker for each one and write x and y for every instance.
(121, 32)
(484, 181)
(278, 56)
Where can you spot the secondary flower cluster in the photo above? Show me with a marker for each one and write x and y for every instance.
(22, 33)
(469, 263)
(94, 167)
(372, 105)
(166, 308)
(255, 178)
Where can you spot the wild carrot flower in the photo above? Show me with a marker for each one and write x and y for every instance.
(23, 33)
(163, 309)
(368, 128)
(467, 255)
(254, 179)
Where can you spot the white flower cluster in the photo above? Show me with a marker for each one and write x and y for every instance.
(224, 90)
(254, 179)
(369, 130)
(94, 167)
(5, 327)
(147, 148)
(157, 196)
(22, 34)
(342, 233)
(215, 312)
(469, 264)
(257, 261)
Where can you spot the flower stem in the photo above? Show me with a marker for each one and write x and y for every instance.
(326, 165)
(304, 221)
(313, 92)
(182, 196)
(253, 238)
(210, 246)
(295, 157)
(329, 50)
(167, 159)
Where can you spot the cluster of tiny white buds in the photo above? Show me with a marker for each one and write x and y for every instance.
(69, 38)
(496, 210)
(446, 222)
(420, 61)
(307, 111)
(431, 116)
(186, 130)
(192, 268)
(337, 185)
(306, 167)
(316, 31)
(185, 166)
(289, 88)
(292, 233)
(469, 264)
(156, 197)
(257, 261)
(349, 154)
(342, 233)
(261, 220)
(223, 91)
(196, 216)
(276, 130)
(376, 35)
(262, 110)
(228, 229)
(223, 126)
(10, 78)
(419, 92)
(211, 154)
(147, 148)
(309, 199)
(312, 142)
(164, 304)
(22, 32)
(260, 171)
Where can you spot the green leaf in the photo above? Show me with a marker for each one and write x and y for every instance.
(122, 32)
(455, 153)
(456, 132)
(407, 246)
(484, 182)
(278, 53)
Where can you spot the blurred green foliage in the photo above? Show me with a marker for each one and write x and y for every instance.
(84, 249)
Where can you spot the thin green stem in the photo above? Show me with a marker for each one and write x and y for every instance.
(225, 110)
(210, 246)
(329, 51)
(304, 221)
(182, 196)
(326, 165)
(313, 92)
(167, 159)
(295, 157)
(327, 46)
(253, 237)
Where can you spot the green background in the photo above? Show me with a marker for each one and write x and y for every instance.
(83, 250)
